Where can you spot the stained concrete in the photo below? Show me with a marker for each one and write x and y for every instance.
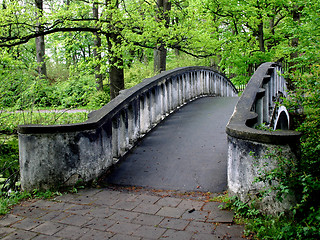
(186, 152)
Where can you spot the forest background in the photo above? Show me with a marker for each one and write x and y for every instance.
(63, 54)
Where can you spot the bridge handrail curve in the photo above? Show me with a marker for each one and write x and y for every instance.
(96, 118)
(61, 155)
(252, 109)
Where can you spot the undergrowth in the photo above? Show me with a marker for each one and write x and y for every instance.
(9, 121)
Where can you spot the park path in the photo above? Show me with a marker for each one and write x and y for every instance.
(121, 213)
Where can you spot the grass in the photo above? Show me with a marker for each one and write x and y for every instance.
(9, 121)
(7, 201)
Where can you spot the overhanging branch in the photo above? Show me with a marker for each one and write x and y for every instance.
(21, 40)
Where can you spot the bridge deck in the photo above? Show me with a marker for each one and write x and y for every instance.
(186, 152)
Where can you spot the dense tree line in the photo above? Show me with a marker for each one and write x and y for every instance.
(111, 31)
(108, 35)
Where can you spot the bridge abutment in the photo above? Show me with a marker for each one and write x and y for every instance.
(249, 164)
(255, 149)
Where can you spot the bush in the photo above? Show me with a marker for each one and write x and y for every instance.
(76, 91)
(307, 95)
(9, 165)
(136, 73)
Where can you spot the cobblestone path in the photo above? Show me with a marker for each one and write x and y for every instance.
(121, 213)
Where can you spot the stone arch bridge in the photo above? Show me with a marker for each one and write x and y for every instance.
(56, 156)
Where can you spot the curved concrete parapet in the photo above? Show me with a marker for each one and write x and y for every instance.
(248, 147)
(61, 155)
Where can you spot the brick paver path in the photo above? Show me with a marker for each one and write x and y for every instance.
(120, 214)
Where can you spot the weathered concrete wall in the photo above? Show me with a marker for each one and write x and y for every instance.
(63, 159)
(248, 160)
(56, 156)
(257, 106)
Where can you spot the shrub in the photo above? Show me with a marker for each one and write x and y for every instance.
(9, 165)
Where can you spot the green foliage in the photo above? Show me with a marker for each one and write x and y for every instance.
(98, 99)
(77, 91)
(263, 127)
(57, 72)
(136, 73)
(15, 76)
(44, 194)
(10, 120)
(9, 164)
(6, 202)
(184, 60)
(306, 99)
(261, 226)
(139, 71)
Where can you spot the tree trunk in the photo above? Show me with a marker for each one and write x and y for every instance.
(40, 44)
(96, 50)
(160, 52)
(271, 26)
(159, 59)
(261, 37)
(116, 76)
(116, 73)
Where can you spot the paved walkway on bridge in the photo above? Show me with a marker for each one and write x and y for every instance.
(128, 214)
(186, 152)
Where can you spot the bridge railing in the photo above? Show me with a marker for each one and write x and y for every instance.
(248, 147)
(61, 155)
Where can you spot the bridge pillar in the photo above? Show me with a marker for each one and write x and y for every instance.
(159, 101)
(131, 125)
(123, 132)
(175, 93)
(266, 101)
(217, 86)
(259, 105)
(187, 84)
(179, 91)
(144, 114)
(115, 132)
(153, 107)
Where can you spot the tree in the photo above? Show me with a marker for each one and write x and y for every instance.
(250, 33)
(40, 44)
(96, 49)
(160, 52)
(103, 36)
